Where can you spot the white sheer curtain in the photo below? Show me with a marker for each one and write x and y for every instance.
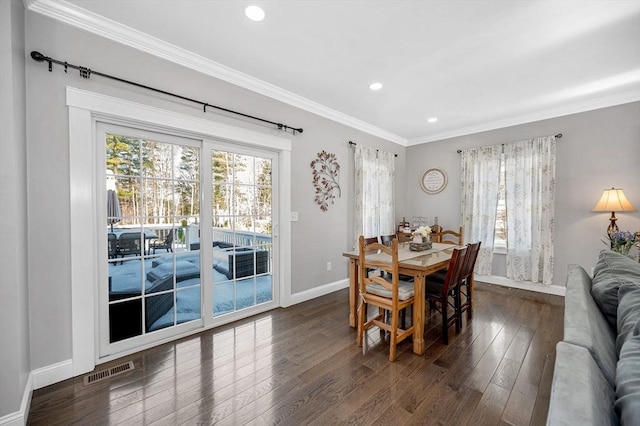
(480, 178)
(374, 188)
(530, 196)
(386, 194)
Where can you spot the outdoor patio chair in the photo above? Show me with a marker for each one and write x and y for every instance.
(166, 243)
(129, 244)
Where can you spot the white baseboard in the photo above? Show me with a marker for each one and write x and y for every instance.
(305, 295)
(523, 285)
(19, 418)
(53, 373)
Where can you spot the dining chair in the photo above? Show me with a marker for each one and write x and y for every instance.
(450, 237)
(443, 293)
(386, 239)
(387, 292)
(466, 280)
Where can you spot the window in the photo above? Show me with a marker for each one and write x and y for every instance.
(507, 202)
(500, 237)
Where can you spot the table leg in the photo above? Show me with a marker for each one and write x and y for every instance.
(353, 292)
(418, 314)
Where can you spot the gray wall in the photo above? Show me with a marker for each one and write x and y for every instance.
(318, 237)
(599, 149)
(14, 323)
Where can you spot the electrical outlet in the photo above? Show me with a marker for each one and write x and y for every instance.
(328, 266)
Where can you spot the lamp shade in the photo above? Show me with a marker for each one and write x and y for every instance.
(613, 200)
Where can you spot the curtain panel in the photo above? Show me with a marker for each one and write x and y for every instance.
(480, 179)
(374, 192)
(386, 193)
(530, 203)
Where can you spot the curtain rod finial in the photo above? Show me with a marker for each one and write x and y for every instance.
(37, 56)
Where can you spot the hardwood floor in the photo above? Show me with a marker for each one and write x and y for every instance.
(300, 365)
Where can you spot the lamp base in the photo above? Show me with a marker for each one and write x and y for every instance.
(613, 227)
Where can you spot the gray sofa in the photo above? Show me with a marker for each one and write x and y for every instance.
(596, 379)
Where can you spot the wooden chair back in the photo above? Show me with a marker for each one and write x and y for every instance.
(466, 282)
(470, 260)
(454, 272)
(449, 236)
(370, 240)
(367, 263)
(387, 239)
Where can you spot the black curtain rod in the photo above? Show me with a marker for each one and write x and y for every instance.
(558, 136)
(86, 73)
(354, 144)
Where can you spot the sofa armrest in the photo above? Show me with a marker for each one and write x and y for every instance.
(585, 325)
(580, 394)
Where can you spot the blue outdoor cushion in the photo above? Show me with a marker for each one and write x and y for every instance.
(184, 271)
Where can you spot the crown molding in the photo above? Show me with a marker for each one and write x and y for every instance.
(78, 17)
(543, 114)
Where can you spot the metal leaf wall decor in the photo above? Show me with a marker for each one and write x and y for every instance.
(326, 174)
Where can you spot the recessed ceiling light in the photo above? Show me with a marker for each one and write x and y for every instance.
(375, 86)
(254, 13)
(432, 119)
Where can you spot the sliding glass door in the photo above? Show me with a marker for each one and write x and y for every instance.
(159, 251)
(242, 229)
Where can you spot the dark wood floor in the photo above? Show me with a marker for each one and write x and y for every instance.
(300, 365)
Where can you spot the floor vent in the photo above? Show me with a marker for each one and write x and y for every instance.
(104, 374)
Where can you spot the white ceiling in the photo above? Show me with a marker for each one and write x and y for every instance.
(475, 65)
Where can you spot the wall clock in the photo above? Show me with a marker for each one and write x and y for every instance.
(433, 180)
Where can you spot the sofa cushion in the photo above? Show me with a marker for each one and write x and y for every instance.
(628, 313)
(580, 395)
(184, 271)
(611, 271)
(627, 403)
(585, 325)
(405, 289)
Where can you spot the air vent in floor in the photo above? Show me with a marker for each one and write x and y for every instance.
(104, 374)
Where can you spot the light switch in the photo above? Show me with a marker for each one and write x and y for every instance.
(294, 216)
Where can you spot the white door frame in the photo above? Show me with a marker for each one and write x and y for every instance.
(85, 109)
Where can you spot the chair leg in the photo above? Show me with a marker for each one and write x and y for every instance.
(445, 322)
(394, 335)
(469, 302)
(458, 308)
(362, 316)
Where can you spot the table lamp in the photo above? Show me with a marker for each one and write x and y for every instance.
(613, 200)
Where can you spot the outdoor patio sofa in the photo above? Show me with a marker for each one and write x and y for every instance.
(126, 318)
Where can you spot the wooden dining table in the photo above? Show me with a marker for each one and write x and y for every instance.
(417, 264)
